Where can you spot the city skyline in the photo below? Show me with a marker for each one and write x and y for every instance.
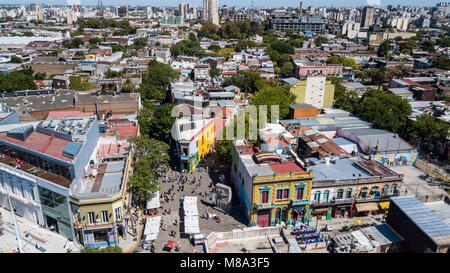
(246, 3)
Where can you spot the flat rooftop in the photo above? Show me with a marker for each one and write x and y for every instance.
(347, 168)
(380, 140)
(102, 181)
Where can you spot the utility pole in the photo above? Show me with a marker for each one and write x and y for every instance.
(16, 229)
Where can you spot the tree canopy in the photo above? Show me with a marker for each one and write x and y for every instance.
(427, 131)
(17, 81)
(274, 95)
(342, 60)
(248, 81)
(151, 154)
(386, 111)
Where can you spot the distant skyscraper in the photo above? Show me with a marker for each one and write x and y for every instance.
(184, 9)
(123, 11)
(211, 11)
(367, 17)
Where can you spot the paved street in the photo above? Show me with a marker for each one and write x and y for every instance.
(203, 191)
(50, 242)
(416, 184)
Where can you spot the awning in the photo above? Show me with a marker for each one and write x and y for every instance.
(366, 206)
(320, 210)
(384, 205)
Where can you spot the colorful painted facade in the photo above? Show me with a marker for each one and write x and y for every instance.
(271, 190)
(195, 139)
(401, 159)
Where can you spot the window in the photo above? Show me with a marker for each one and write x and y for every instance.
(300, 193)
(340, 194)
(393, 189)
(317, 197)
(32, 194)
(91, 218)
(279, 194)
(349, 193)
(21, 191)
(264, 196)
(385, 190)
(105, 216)
(118, 212)
(326, 194)
(286, 194)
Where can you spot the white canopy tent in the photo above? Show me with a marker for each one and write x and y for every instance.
(152, 228)
(191, 225)
(154, 202)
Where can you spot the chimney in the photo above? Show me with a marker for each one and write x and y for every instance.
(300, 13)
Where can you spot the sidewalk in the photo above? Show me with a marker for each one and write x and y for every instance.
(51, 242)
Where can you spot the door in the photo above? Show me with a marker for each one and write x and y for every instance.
(263, 219)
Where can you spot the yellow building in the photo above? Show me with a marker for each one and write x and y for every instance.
(271, 189)
(195, 139)
(315, 90)
(98, 204)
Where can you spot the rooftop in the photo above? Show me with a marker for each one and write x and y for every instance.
(381, 141)
(102, 180)
(424, 218)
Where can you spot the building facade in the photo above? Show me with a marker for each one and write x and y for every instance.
(272, 190)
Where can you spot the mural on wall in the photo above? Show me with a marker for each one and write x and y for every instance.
(404, 159)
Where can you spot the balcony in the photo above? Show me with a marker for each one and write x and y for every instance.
(22, 169)
(259, 206)
(299, 202)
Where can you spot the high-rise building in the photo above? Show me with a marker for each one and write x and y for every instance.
(184, 9)
(123, 11)
(211, 11)
(367, 17)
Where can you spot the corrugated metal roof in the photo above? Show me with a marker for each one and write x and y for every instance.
(423, 217)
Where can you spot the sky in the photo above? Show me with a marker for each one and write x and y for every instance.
(240, 3)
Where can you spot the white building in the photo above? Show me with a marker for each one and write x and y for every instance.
(211, 11)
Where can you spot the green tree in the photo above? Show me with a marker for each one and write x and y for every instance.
(386, 111)
(160, 124)
(320, 40)
(150, 92)
(342, 60)
(140, 42)
(17, 80)
(214, 72)
(442, 62)
(207, 29)
(383, 50)
(274, 95)
(244, 44)
(427, 131)
(113, 74)
(76, 43)
(159, 75)
(16, 60)
(248, 81)
(151, 154)
(348, 101)
(214, 48)
(128, 86)
(40, 76)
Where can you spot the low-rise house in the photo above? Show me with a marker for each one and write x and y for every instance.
(272, 188)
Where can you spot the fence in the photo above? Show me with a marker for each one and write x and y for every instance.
(433, 170)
